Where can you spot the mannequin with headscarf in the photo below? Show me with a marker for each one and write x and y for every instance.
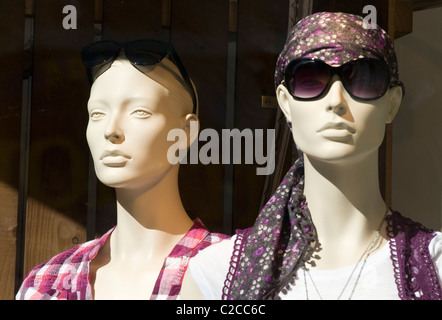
(140, 92)
(327, 233)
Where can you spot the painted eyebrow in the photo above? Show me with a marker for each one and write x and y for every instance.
(145, 102)
(93, 102)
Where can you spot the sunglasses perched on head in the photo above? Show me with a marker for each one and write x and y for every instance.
(98, 57)
(363, 79)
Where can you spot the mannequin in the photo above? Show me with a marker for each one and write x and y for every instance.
(144, 234)
(131, 110)
(327, 232)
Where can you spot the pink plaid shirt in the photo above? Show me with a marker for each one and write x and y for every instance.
(66, 275)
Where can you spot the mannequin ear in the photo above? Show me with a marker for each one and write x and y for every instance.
(395, 97)
(283, 96)
(192, 128)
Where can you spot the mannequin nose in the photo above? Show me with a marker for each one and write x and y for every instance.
(337, 102)
(114, 135)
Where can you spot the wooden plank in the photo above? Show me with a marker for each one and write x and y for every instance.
(199, 32)
(56, 208)
(426, 4)
(403, 18)
(262, 29)
(135, 19)
(354, 7)
(11, 64)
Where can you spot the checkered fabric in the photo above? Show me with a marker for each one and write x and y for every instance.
(66, 275)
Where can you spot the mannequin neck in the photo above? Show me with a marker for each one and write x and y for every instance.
(150, 220)
(345, 202)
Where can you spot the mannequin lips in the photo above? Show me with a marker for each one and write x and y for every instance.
(114, 158)
(336, 130)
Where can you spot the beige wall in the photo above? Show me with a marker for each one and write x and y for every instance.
(417, 129)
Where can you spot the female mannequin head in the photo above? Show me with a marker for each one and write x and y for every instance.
(336, 126)
(131, 110)
(336, 116)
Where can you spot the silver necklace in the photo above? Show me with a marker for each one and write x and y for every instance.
(367, 252)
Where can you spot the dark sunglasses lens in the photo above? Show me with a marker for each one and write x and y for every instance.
(100, 53)
(145, 53)
(365, 79)
(307, 80)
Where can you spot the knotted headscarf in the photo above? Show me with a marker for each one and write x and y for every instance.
(267, 256)
(337, 38)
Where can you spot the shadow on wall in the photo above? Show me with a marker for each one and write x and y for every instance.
(417, 131)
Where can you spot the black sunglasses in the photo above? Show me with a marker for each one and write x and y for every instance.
(363, 79)
(147, 52)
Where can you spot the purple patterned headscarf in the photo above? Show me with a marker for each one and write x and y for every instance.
(337, 38)
(267, 256)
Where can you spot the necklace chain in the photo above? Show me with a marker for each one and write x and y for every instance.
(367, 252)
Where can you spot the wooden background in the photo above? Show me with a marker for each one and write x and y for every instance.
(50, 199)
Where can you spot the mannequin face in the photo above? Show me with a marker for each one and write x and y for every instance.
(129, 118)
(336, 127)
